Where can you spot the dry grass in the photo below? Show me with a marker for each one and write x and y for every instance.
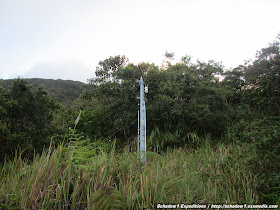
(56, 179)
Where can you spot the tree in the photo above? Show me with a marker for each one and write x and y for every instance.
(186, 59)
(263, 80)
(108, 67)
(181, 97)
(266, 64)
(3, 105)
(28, 118)
(235, 78)
(114, 90)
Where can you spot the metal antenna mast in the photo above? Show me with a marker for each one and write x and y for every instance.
(142, 123)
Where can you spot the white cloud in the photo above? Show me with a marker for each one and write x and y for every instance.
(68, 69)
(33, 32)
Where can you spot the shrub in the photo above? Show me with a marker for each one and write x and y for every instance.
(263, 134)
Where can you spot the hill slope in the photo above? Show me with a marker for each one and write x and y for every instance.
(63, 91)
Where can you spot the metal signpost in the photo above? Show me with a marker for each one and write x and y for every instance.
(141, 141)
(78, 118)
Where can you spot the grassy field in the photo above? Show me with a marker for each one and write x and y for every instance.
(69, 176)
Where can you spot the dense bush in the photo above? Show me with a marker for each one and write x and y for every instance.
(263, 134)
(26, 119)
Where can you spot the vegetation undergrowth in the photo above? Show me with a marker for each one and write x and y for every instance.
(212, 137)
(262, 135)
(69, 175)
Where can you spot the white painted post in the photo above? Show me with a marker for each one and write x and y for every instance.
(142, 138)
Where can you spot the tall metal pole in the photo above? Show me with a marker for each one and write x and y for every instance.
(138, 132)
(142, 143)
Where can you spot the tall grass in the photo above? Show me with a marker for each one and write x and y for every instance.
(67, 177)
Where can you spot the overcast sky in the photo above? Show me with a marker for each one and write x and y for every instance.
(65, 39)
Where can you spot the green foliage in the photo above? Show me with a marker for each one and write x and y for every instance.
(263, 134)
(186, 97)
(115, 98)
(86, 151)
(263, 77)
(108, 198)
(160, 141)
(265, 97)
(53, 181)
(10, 201)
(266, 63)
(26, 119)
(185, 102)
(234, 84)
(108, 67)
(62, 91)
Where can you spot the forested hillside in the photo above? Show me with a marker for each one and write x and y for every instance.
(64, 91)
(213, 136)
